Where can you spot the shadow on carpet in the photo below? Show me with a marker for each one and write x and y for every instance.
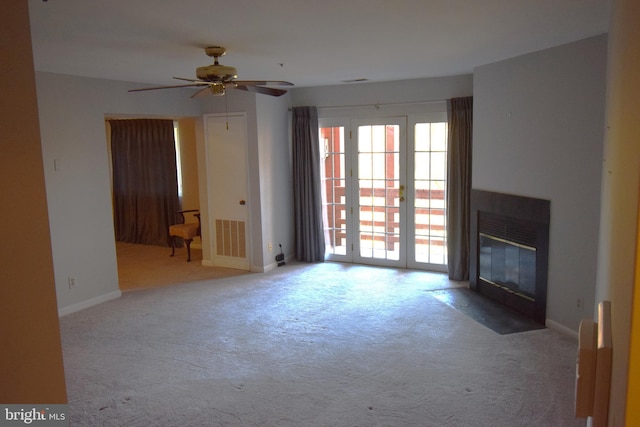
(495, 316)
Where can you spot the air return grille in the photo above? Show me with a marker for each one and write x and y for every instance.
(230, 238)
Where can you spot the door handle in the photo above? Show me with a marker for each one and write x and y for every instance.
(242, 202)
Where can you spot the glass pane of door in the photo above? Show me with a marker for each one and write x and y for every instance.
(379, 194)
(429, 203)
(334, 197)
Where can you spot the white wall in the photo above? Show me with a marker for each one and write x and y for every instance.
(538, 132)
(72, 112)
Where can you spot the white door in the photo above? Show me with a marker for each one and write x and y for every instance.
(379, 191)
(226, 146)
(384, 182)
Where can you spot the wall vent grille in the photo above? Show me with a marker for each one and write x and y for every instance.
(230, 238)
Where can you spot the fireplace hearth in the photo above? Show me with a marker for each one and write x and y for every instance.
(510, 250)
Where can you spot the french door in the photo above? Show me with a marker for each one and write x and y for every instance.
(384, 183)
(378, 191)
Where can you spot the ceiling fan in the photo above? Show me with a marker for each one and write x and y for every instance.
(216, 78)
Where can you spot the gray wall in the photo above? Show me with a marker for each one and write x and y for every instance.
(276, 173)
(538, 132)
(72, 124)
(72, 121)
(400, 92)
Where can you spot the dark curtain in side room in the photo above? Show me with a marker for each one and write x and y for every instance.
(145, 183)
(307, 198)
(460, 119)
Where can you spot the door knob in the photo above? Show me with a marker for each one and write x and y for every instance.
(242, 202)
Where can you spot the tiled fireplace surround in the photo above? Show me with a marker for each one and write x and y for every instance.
(518, 229)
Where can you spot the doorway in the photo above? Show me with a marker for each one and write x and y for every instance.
(384, 189)
(146, 266)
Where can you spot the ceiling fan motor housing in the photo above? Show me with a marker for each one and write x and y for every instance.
(216, 73)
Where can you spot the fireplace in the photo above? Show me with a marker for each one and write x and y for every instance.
(510, 250)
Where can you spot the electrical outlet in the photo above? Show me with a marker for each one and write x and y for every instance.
(579, 303)
(72, 282)
(270, 247)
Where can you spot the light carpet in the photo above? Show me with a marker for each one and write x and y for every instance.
(145, 266)
(310, 345)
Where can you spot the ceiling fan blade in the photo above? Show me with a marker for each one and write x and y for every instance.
(192, 80)
(165, 87)
(260, 89)
(203, 91)
(262, 83)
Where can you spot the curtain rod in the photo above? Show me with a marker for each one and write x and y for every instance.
(139, 116)
(378, 104)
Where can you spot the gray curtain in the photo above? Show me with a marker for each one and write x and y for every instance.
(460, 122)
(307, 198)
(145, 183)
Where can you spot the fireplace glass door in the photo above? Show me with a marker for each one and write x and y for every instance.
(508, 264)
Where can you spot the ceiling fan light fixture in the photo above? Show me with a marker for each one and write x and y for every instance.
(217, 89)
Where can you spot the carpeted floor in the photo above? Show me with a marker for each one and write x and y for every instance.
(310, 345)
(144, 267)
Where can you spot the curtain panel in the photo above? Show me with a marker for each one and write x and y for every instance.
(307, 198)
(460, 127)
(145, 183)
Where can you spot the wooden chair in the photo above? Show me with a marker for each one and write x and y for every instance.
(186, 231)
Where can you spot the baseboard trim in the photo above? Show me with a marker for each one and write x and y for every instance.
(258, 269)
(253, 268)
(270, 267)
(88, 303)
(551, 324)
(274, 265)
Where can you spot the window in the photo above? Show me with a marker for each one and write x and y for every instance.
(178, 160)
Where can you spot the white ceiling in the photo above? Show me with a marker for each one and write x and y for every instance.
(309, 43)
